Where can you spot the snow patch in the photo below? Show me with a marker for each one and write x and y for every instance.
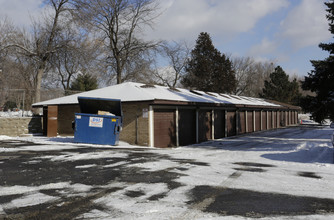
(116, 164)
(95, 214)
(16, 114)
(85, 166)
(39, 148)
(4, 137)
(70, 156)
(29, 200)
(18, 189)
(156, 165)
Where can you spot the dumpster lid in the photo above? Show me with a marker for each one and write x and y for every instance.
(93, 105)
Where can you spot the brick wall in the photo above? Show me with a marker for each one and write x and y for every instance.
(19, 126)
(135, 123)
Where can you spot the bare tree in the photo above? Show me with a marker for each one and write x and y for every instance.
(118, 23)
(9, 74)
(176, 54)
(23, 70)
(139, 69)
(79, 56)
(42, 43)
(16, 81)
(6, 32)
(245, 73)
(263, 69)
(250, 75)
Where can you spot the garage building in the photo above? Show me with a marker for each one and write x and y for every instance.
(159, 116)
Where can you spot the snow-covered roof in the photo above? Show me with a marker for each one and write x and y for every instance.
(130, 92)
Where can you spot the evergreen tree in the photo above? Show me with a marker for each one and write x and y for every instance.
(321, 79)
(279, 88)
(84, 82)
(208, 69)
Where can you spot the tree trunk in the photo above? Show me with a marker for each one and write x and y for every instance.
(119, 78)
(38, 83)
(119, 73)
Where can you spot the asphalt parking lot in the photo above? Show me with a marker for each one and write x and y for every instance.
(84, 182)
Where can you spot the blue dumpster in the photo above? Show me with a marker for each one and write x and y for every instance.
(99, 122)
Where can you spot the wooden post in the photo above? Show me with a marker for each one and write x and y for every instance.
(177, 125)
(151, 126)
(213, 124)
(197, 126)
(246, 121)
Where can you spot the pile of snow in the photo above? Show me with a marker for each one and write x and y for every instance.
(16, 114)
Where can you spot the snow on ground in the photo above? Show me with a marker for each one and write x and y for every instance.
(156, 165)
(279, 161)
(303, 152)
(38, 148)
(306, 119)
(29, 200)
(4, 137)
(12, 190)
(15, 114)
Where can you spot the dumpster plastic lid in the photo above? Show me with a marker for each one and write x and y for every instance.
(93, 105)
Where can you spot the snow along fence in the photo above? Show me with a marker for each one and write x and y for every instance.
(20, 126)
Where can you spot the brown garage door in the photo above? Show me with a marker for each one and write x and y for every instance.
(250, 121)
(282, 119)
(164, 128)
(274, 120)
(219, 124)
(187, 127)
(270, 120)
(264, 120)
(204, 125)
(231, 123)
(257, 121)
(278, 119)
(52, 124)
(241, 122)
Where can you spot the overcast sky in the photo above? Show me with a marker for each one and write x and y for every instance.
(285, 31)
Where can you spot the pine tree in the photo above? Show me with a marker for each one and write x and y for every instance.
(208, 69)
(84, 82)
(279, 88)
(321, 79)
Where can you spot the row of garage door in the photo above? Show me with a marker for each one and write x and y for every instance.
(180, 127)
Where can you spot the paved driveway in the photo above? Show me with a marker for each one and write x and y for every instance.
(270, 174)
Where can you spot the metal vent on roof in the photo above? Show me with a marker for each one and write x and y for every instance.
(197, 93)
(146, 86)
(225, 96)
(236, 97)
(208, 93)
(247, 98)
